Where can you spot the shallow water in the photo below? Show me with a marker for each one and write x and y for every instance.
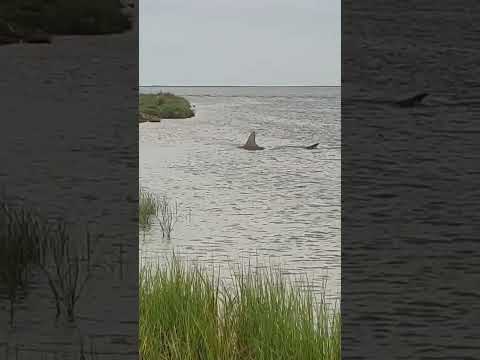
(71, 179)
(278, 206)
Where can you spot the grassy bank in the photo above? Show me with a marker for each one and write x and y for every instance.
(164, 106)
(187, 313)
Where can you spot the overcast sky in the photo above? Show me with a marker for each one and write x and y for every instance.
(233, 42)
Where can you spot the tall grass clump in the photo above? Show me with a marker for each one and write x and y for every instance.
(66, 263)
(167, 216)
(147, 210)
(21, 237)
(189, 313)
(179, 315)
(162, 209)
(274, 320)
(32, 246)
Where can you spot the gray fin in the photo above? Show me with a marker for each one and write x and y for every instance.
(311, 147)
(251, 140)
(251, 144)
(412, 101)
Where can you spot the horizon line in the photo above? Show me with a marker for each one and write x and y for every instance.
(153, 85)
(239, 86)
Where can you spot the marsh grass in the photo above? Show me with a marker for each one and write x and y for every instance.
(189, 313)
(66, 262)
(165, 106)
(167, 215)
(21, 236)
(161, 209)
(275, 320)
(30, 245)
(147, 210)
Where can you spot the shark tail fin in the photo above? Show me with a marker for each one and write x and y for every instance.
(311, 147)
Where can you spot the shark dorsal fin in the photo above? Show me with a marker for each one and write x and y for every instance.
(251, 140)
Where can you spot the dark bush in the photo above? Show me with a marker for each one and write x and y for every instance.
(63, 17)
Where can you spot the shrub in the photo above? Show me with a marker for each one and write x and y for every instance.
(80, 17)
(166, 106)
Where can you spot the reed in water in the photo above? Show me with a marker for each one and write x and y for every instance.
(148, 209)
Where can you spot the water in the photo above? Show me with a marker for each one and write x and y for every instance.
(277, 206)
(71, 178)
(409, 259)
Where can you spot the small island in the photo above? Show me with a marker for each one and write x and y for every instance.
(154, 107)
(37, 21)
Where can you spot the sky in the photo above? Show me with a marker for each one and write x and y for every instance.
(247, 42)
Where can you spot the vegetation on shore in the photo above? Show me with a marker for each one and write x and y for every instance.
(154, 107)
(34, 20)
(189, 314)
